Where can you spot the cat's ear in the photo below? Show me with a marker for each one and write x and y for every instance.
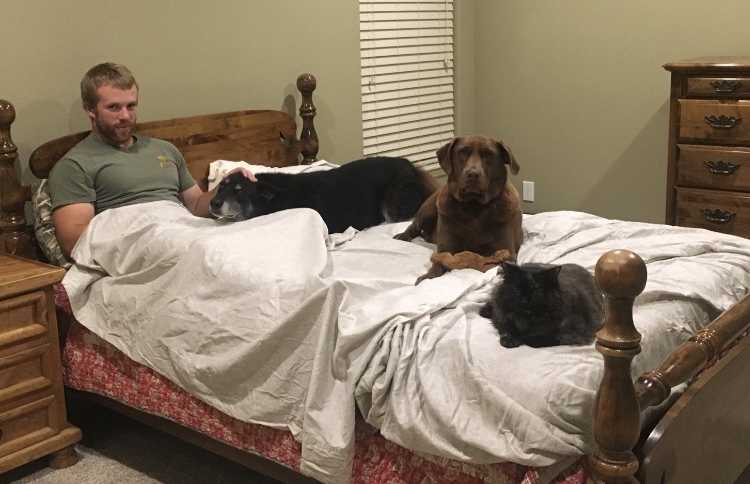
(510, 268)
(550, 274)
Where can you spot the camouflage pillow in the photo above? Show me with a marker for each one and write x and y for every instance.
(44, 228)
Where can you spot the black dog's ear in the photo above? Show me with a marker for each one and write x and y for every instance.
(267, 191)
(445, 156)
(508, 157)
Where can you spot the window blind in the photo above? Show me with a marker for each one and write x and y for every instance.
(406, 52)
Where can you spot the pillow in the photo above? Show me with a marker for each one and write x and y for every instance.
(44, 228)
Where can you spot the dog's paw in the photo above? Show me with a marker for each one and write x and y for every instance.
(509, 341)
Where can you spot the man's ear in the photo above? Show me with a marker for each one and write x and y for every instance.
(445, 156)
(90, 113)
(508, 157)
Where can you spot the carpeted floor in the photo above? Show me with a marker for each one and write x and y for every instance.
(117, 450)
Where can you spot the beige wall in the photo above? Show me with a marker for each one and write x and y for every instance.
(465, 66)
(577, 90)
(190, 57)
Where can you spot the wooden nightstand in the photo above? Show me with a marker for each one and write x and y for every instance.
(33, 420)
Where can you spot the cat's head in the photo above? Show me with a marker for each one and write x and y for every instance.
(531, 278)
(532, 297)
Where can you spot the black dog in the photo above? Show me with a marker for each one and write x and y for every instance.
(359, 194)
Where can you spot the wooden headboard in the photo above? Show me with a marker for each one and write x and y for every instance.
(263, 137)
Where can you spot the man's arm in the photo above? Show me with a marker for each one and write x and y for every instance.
(196, 200)
(70, 222)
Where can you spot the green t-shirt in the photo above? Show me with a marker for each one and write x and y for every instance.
(96, 172)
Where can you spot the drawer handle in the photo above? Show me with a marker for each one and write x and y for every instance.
(726, 86)
(722, 122)
(721, 167)
(718, 216)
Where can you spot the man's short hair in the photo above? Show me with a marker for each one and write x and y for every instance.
(107, 73)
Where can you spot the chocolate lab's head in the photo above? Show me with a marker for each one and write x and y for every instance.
(239, 198)
(475, 166)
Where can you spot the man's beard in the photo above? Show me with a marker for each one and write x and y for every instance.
(115, 135)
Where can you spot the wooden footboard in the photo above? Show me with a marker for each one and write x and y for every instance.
(701, 436)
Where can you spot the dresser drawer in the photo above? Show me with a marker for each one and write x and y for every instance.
(25, 373)
(715, 121)
(727, 212)
(27, 424)
(23, 318)
(717, 167)
(730, 87)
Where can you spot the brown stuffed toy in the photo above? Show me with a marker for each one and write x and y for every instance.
(470, 260)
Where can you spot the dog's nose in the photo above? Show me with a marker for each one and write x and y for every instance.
(472, 175)
(215, 204)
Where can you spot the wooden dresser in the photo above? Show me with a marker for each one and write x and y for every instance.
(33, 420)
(708, 176)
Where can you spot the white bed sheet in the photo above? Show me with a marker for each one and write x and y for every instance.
(274, 322)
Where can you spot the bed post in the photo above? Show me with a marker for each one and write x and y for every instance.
(14, 235)
(306, 84)
(621, 275)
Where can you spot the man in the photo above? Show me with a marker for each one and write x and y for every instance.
(114, 166)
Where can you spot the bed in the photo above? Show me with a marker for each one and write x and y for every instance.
(640, 428)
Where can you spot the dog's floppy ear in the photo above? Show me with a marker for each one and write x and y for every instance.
(508, 155)
(444, 156)
(266, 190)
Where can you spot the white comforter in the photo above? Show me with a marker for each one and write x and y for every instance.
(274, 322)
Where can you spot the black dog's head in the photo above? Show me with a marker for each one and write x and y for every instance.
(238, 198)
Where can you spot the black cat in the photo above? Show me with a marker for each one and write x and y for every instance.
(545, 305)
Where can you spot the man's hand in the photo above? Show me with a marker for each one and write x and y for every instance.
(244, 170)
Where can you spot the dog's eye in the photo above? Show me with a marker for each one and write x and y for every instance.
(237, 187)
(464, 152)
(487, 154)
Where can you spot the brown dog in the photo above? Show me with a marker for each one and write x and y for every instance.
(478, 210)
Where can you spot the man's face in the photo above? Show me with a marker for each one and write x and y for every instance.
(114, 116)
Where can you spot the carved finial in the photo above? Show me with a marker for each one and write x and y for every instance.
(7, 113)
(621, 273)
(15, 237)
(306, 84)
(7, 116)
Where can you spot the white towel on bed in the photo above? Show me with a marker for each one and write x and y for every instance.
(218, 169)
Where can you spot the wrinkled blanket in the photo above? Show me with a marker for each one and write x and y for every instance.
(275, 322)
